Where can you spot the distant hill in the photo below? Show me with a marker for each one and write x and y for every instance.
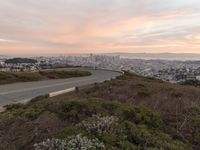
(3, 56)
(167, 56)
(20, 60)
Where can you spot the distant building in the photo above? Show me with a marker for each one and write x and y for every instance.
(198, 78)
(191, 77)
(181, 77)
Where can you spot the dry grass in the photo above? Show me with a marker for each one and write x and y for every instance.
(160, 96)
(174, 102)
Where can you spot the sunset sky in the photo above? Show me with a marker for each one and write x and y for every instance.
(99, 26)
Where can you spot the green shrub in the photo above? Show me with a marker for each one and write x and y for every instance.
(32, 113)
(15, 106)
(145, 138)
(110, 138)
(75, 110)
(135, 128)
(194, 126)
(142, 115)
(69, 131)
(191, 83)
(19, 144)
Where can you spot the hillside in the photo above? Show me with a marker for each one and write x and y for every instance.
(20, 60)
(13, 77)
(127, 113)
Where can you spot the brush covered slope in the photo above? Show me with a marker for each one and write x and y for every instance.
(127, 113)
(13, 77)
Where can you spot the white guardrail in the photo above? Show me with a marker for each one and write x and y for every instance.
(2, 109)
(52, 94)
(74, 88)
(62, 92)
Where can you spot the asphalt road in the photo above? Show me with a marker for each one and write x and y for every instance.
(17, 92)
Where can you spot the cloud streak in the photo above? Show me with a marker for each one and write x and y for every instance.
(82, 26)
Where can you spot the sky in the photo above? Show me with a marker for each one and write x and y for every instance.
(99, 26)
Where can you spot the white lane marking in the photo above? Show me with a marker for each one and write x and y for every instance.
(42, 87)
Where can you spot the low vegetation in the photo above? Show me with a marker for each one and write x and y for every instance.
(127, 113)
(20, 60)
(12, 77)
(191, 83)
(87, 123)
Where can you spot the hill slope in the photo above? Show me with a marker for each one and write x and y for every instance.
(20, 60)
(13, 77)
(108, 116)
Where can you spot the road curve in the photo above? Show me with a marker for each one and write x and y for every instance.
(11, 93)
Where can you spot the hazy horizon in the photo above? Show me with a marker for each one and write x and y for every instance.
(164, 55)
(48, 27)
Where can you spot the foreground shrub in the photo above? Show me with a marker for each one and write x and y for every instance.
(91, 124)
(15, 106)
(77, 142)
(191, 124)
(142, 115)
(145, 138)
(98, 125)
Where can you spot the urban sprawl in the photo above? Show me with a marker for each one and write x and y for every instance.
(167, 70)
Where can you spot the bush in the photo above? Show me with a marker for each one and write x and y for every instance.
(70, 131)
(142, 137)
(75, 111)
(15, 106)
(97, 125)
(194, 124)
(32, 113)
(142, 115)
(78, 110)
(77, 142)
(191, 83)
(93, 124)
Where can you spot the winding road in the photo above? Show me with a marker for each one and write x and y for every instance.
(11, 93)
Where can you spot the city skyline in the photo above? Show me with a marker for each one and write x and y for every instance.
(99, 26)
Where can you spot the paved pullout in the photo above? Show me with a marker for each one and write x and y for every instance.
(17, 92)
